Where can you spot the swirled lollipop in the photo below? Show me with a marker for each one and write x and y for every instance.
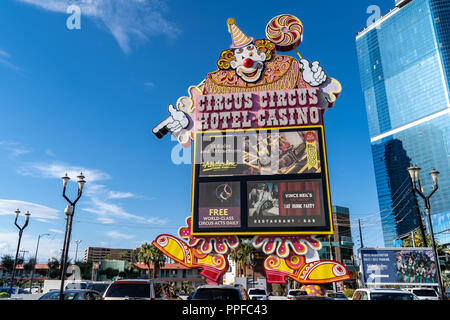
(286, 31)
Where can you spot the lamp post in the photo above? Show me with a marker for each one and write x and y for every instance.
(35, 259)
(69, 211)
(414, 173)
(27, 218)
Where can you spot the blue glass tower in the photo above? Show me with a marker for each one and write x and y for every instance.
(404, 63)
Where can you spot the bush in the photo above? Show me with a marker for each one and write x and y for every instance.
(4, 295)
(349, 292)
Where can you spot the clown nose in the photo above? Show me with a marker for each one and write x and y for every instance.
(248, 63)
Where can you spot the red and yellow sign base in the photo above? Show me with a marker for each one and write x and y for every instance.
(210, 254)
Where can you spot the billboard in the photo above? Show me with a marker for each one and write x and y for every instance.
(251, 153)
(398, 266)
(274, 181)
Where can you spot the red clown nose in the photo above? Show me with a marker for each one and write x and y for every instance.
(248, 63)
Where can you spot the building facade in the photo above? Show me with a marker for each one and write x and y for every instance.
(404, 63)
(96, 255)
(339, 245)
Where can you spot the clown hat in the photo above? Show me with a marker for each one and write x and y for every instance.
(239, 38)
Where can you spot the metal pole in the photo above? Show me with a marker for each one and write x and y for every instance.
(413, 239)
(436, 256)
(419, 214)
(62, 261)
(15, 263)
(66, 254)
(27, 217)
(360, 233)
(34, 267)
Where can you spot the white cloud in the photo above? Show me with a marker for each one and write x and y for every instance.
(120, 195)
(126, 20)
(4, 53)
(5, 60)
(118, 235)
(15, 149)
(48, 247)
(98, 199)
(105, 220)
(7, 207)
(56, 231)
(57, 170)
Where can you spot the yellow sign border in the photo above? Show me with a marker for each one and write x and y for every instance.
(325, 162)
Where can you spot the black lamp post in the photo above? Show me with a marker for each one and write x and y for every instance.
(414, 173)
(69, 211)
(35, 259)
(27, 218)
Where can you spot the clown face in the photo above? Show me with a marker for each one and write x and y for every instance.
(249, 64)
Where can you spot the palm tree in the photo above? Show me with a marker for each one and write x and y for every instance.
(245, 255)
(235, 257)
(149, 254)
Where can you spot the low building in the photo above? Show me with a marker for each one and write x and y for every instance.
(97, 254)
(339, 245)
(174, 273)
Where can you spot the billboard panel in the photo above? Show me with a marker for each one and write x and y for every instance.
(258, 153)
(275, 182)
(398, 266)
(292, 203)
(219, 205)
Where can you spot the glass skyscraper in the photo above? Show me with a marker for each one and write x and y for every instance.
(404, 63)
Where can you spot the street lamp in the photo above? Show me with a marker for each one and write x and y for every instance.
(27, 218)
(414, 173)
(69, 211)
(35, 259)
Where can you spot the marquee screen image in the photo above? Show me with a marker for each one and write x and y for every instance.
(263, 152)
(260, 181)
(285, 203)
(219, 205)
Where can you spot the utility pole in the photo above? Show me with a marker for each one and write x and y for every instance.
(360, 233)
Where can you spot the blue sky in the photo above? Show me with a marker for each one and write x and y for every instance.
(86, 100)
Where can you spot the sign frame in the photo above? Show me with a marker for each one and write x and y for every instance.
(244, 230)
(404, 284)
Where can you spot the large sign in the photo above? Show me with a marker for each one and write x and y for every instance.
(260, 164)
(398, 266)
(260, 181)
(257, 128)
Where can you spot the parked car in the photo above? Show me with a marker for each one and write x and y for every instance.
(219, 292)
(337, 296)
(136, 289)
(425, 293)
(383, 294)
(72, 294)
(99, 286)
(296, 292)
(306, 297)
(258, 294)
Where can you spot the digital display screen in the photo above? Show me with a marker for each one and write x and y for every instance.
(261, 181)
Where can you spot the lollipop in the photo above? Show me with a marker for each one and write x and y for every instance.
(286, 31)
